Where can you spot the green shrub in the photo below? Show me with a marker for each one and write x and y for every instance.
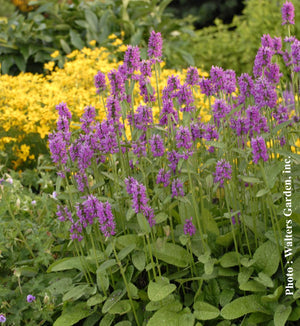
(235, 45)
(27, 41)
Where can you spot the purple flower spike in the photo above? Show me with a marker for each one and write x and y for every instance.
(2, 318)
(177, 188)
(131, 60)
(106, 220)
(192, 76)
(295, 52)
(157, 145)
(155, 47)
(163, 177)
(223, 172)
(100, 82)
(183, 137)
(63, 111)
(259, 149)
(189, 228)
(30, 298)
(288, 13)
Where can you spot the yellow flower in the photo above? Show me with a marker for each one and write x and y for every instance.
(55, 54)
(23, 152)
(49, 65)
(112, 36)
(122, 48)
(93, 42)
(117, 42)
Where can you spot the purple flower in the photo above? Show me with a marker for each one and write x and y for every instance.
(131, 60)
(255, 121)
(139, 147)
(280, 114)
(173, 159)
(189, 228)
(192, 76)
(2, 318)
(267, 41)
(246, 87)
(76, 231)
(197, 130)
(206, 86)
(229, 81)
(282, 141)
(264, 93)
(220, 109)
(63, 213)
(223, 172)
(217, 75)
(130, 184)
(30, 298)
(259, 149)
(163, 177)
(168, 112)
(58, 147)
(145, 68)
(272, 73)
(277, 44)
(142, 118)
(185, 98)
(183, 138)
(117, 84)
(113, 109)
(88, 118)
(149, 214)
(288, 13)
(295, 53)
(106, 220)
(262, 59)
(148, 93)
(82, 181)
(177, 188)
(63, 111)
(139, 198)
(173, 84)
(157, 145)
(155, 47)
(100, 82)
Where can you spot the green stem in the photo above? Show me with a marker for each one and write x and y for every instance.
(126, 284)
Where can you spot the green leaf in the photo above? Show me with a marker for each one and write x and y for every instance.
(76, 40)
(139, 260)
(73, 314)
(66, 264)
(161, 217)
(124, 323)
(245, 274)
(226, 296)
(143, 223)
(61, 286)
(120, 308)
(272, 173)
(126, 251)
(281, 315)
(115, 297)
(205, 311)
(209, 222)
(267, 258)
(164, 318)
(170, 253)
(107, 320)
(274, 296)
(230, 259)
(160, 290)
(128, 239)
(78, 291)
(92, 20)
(242, 306)
(262, 192)
(65, 46)
(107, 264)
(96, 299)
(20, 62)
(102, 280)
(264, 280)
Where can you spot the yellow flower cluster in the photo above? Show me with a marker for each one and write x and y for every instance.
(27, 101)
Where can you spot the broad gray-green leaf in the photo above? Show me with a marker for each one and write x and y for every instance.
(281, 315)
(66, 264)
(267, 258)
(242, 306)
(264, 280)
(126, 251)
(120, 308)
(205, 311)
(171, 253)
(139, 260)
(230, 259)
(164, 318)
(143, 223)
(107, 320)
(77, 292)
(161, 217)
(226, 296)
(96, 299)
(159, 291)
(274, 296)
(76, 39)
(60, 286)
(73, 314)
(112, 300)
